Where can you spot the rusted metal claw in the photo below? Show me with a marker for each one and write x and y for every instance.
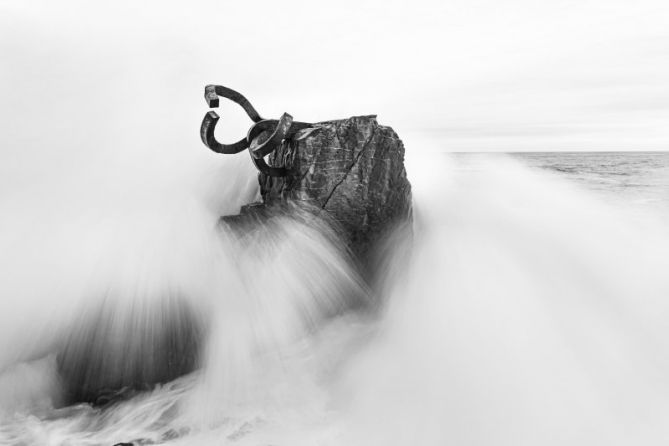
(262, 141)
(212, 92)
(267, 125)
(209, 140)
(261, 145)
(263, 137)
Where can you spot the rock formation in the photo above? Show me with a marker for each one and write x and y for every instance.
(112, 355)
(349, 171)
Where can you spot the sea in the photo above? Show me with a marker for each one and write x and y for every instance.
(640, 178)
(531, 309)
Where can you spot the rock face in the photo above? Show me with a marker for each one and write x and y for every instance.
(111, 356)
(351, 169)
(349, 172)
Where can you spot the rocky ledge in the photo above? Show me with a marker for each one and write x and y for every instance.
(350, 172)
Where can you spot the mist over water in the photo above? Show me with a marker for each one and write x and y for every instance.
(532, 310)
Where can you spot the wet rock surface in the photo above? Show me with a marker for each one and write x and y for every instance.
(350, 172)
(111, 356)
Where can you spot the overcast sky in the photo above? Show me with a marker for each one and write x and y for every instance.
(456, 74)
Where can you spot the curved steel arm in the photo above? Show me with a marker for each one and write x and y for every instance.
(212, 92)
(263, 138)
(209, 140)
(260, 149)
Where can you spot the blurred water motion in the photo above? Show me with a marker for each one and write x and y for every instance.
(532, 310)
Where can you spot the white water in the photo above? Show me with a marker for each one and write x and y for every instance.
(530, 312)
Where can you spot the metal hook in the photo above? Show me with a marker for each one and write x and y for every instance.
(262, 142)
(211, 95)
(263, 137)
(209, 140)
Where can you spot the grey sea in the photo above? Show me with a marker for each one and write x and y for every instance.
(640, 178)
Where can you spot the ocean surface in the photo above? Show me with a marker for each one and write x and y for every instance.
(532, 310)
(641, 178)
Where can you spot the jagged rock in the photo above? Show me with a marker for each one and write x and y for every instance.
(350, 169)
(113, 355)
(349, 172)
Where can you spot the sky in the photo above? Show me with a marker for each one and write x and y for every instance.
(453, 75)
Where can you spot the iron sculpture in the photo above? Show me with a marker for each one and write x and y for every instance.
(262, 138)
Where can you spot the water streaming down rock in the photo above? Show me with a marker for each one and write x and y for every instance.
(349, 172)
(518, 321)
(346, 180)
(533, 312)
(163, 293)
(110, 355)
